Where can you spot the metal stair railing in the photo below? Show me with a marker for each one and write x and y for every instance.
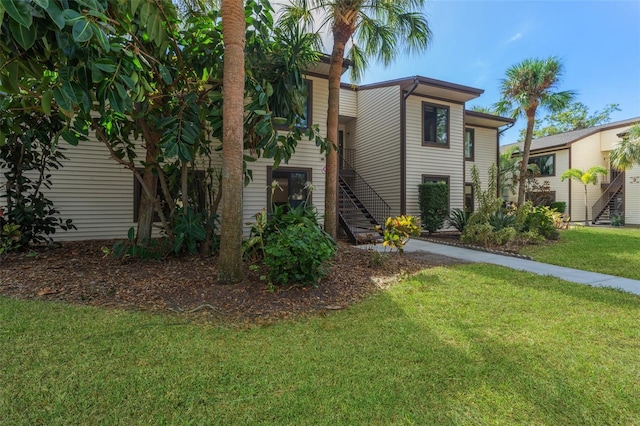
(370, 199)
(607, 197)
(353, 219)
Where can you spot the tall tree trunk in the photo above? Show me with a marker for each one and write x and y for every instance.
(331, 183)
(525, 156)
(233, 29)
(146, 206)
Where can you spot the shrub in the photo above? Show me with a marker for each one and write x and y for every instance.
(559, 206)
(398, 231)
(9, 236)
(539, 219)
(434, 205)
(459, 219)
(500, 220)
(291, 244)
(503, 236)
(479, 233)
(485, 235)
(298, 253)
(617, 220)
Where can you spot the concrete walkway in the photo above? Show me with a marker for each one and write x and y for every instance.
(568, 274)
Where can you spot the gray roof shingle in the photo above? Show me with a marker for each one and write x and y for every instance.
(567, 138)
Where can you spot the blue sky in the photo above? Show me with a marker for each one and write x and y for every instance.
(476, 41)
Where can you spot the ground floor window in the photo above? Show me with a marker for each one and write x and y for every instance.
(468, 197)
(292, 186)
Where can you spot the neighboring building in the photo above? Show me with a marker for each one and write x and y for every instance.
(393, 136)
(618, 193)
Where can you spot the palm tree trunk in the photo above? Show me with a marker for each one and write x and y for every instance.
(331, 183)
(586, 207)
(525, 156)
(233, 29)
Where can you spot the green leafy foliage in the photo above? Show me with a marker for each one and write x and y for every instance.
(298, 253)
(540, 219)
(132, 70)
(459, 218)
(399, 230)
(291, 243)
(130, 249)
(559, 206)
(434, 205)
(574, 116)
(29, 153)
(189, 230)
(9, 235)
(500, 220)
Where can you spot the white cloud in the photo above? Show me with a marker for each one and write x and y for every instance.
(518, 36)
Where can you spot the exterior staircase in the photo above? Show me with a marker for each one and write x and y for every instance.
(361, 211)
(611, 203)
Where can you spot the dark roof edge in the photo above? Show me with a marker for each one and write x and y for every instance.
(327, 60)
(488, 116)
(408, 81)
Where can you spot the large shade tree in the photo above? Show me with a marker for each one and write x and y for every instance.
(125, 69)
(528, 86)
(361, 30)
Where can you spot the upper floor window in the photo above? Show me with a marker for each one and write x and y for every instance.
(546, 164)
(469, 144)
(304, 114)
(435, 125)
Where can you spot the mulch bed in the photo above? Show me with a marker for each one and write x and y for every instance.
(80, 273)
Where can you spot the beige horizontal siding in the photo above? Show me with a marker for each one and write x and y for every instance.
(584, 155)
(348, 103)
(485, 152)
(376, 139)
(426, 160)
(632, 196)
(94, 191)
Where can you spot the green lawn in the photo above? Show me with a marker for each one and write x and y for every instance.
(472, 344)
(614, 251)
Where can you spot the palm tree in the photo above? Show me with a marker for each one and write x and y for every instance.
(233, 30)
(627, 152)
(528, 85)
(508, 170)
(371, 29)
(586, 178)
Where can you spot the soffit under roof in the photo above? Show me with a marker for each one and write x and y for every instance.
(430, 87)
(475, 118)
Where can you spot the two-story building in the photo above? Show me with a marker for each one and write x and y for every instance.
(394, 135)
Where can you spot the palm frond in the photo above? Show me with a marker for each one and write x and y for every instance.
(627, 152)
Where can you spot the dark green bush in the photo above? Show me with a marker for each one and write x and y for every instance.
(559, 206)
(292, 244)
(459, 219)
(434, 205)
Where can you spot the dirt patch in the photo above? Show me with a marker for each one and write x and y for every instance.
(80, 273)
